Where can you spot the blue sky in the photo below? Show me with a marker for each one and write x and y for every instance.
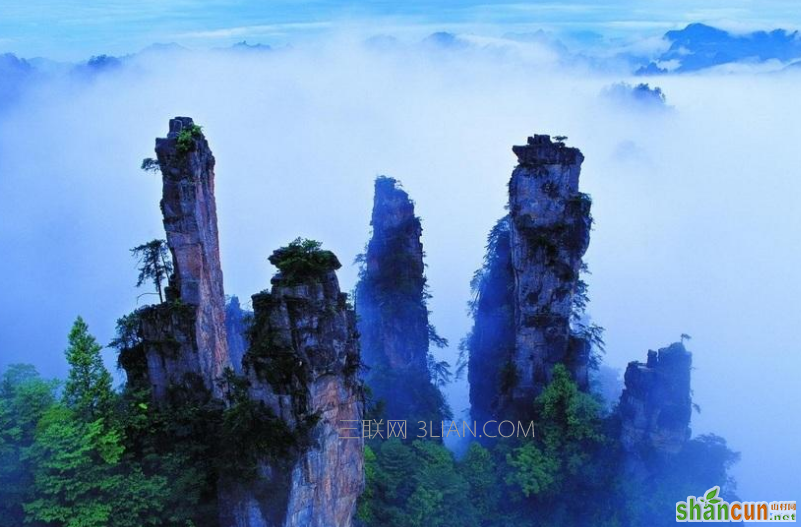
(76, 29)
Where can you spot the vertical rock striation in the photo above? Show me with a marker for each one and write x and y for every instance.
(525, 292)
(656, 405)
(189, 212)
(393, 316)
(302, 367)
(549, 233)
(183, 344)
(275, 418)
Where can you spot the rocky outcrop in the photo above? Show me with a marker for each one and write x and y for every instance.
(656, 404)
(302, 367)
(393, 316)
(235, 329)
(549, 233)
(182, 342)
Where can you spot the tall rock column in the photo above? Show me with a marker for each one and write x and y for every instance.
(182, 342)
(393, 316)
(525, 293)
(190, 221)
(549, 233)
(302, 367)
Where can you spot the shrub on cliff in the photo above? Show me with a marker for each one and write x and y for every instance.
(303, 260)
(186, 138)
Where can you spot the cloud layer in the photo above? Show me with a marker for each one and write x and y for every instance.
(696, 226)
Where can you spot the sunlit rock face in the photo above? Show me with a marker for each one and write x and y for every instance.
(391, 304)
(302, 365)
(656, 405)
(549, 233)
(183, 345)
(189, 211)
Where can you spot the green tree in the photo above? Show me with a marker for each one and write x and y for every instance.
(81, 478)
(88, 388)
(414, 485)
(154, 264)
(480, 471)
(568, 430)
(24, 398)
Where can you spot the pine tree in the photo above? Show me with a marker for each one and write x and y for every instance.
(88, 389)
(154, 263)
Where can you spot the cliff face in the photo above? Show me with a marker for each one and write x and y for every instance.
(277, 415)
(391, 303)
(492, 340)
(525, 294)
(656, 406)
(189, 212)
(549, 233)
(302, 366)
(183, 341)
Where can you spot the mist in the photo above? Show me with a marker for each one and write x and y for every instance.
(695, 221)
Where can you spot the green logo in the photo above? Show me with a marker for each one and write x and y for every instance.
(712, 508)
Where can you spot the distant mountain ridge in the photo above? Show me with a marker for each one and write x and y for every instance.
(699, 46)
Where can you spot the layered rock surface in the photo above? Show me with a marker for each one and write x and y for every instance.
(302, 365)
(656, 404)
(183, 341)
(549, 233)
(524, 294)
(189, 212)
(288, 396)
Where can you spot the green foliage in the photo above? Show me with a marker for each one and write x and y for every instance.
(24, 399)
(80, 477)
(250, 432)
(414, 485)
(150, 165)
(567, 432)
(186, 138)
(533, 471)
(480, 471)
(88, 388)
(127, 335)
(154, 263)
(303, 260)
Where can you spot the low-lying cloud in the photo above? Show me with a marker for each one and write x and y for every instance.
(696, 224)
